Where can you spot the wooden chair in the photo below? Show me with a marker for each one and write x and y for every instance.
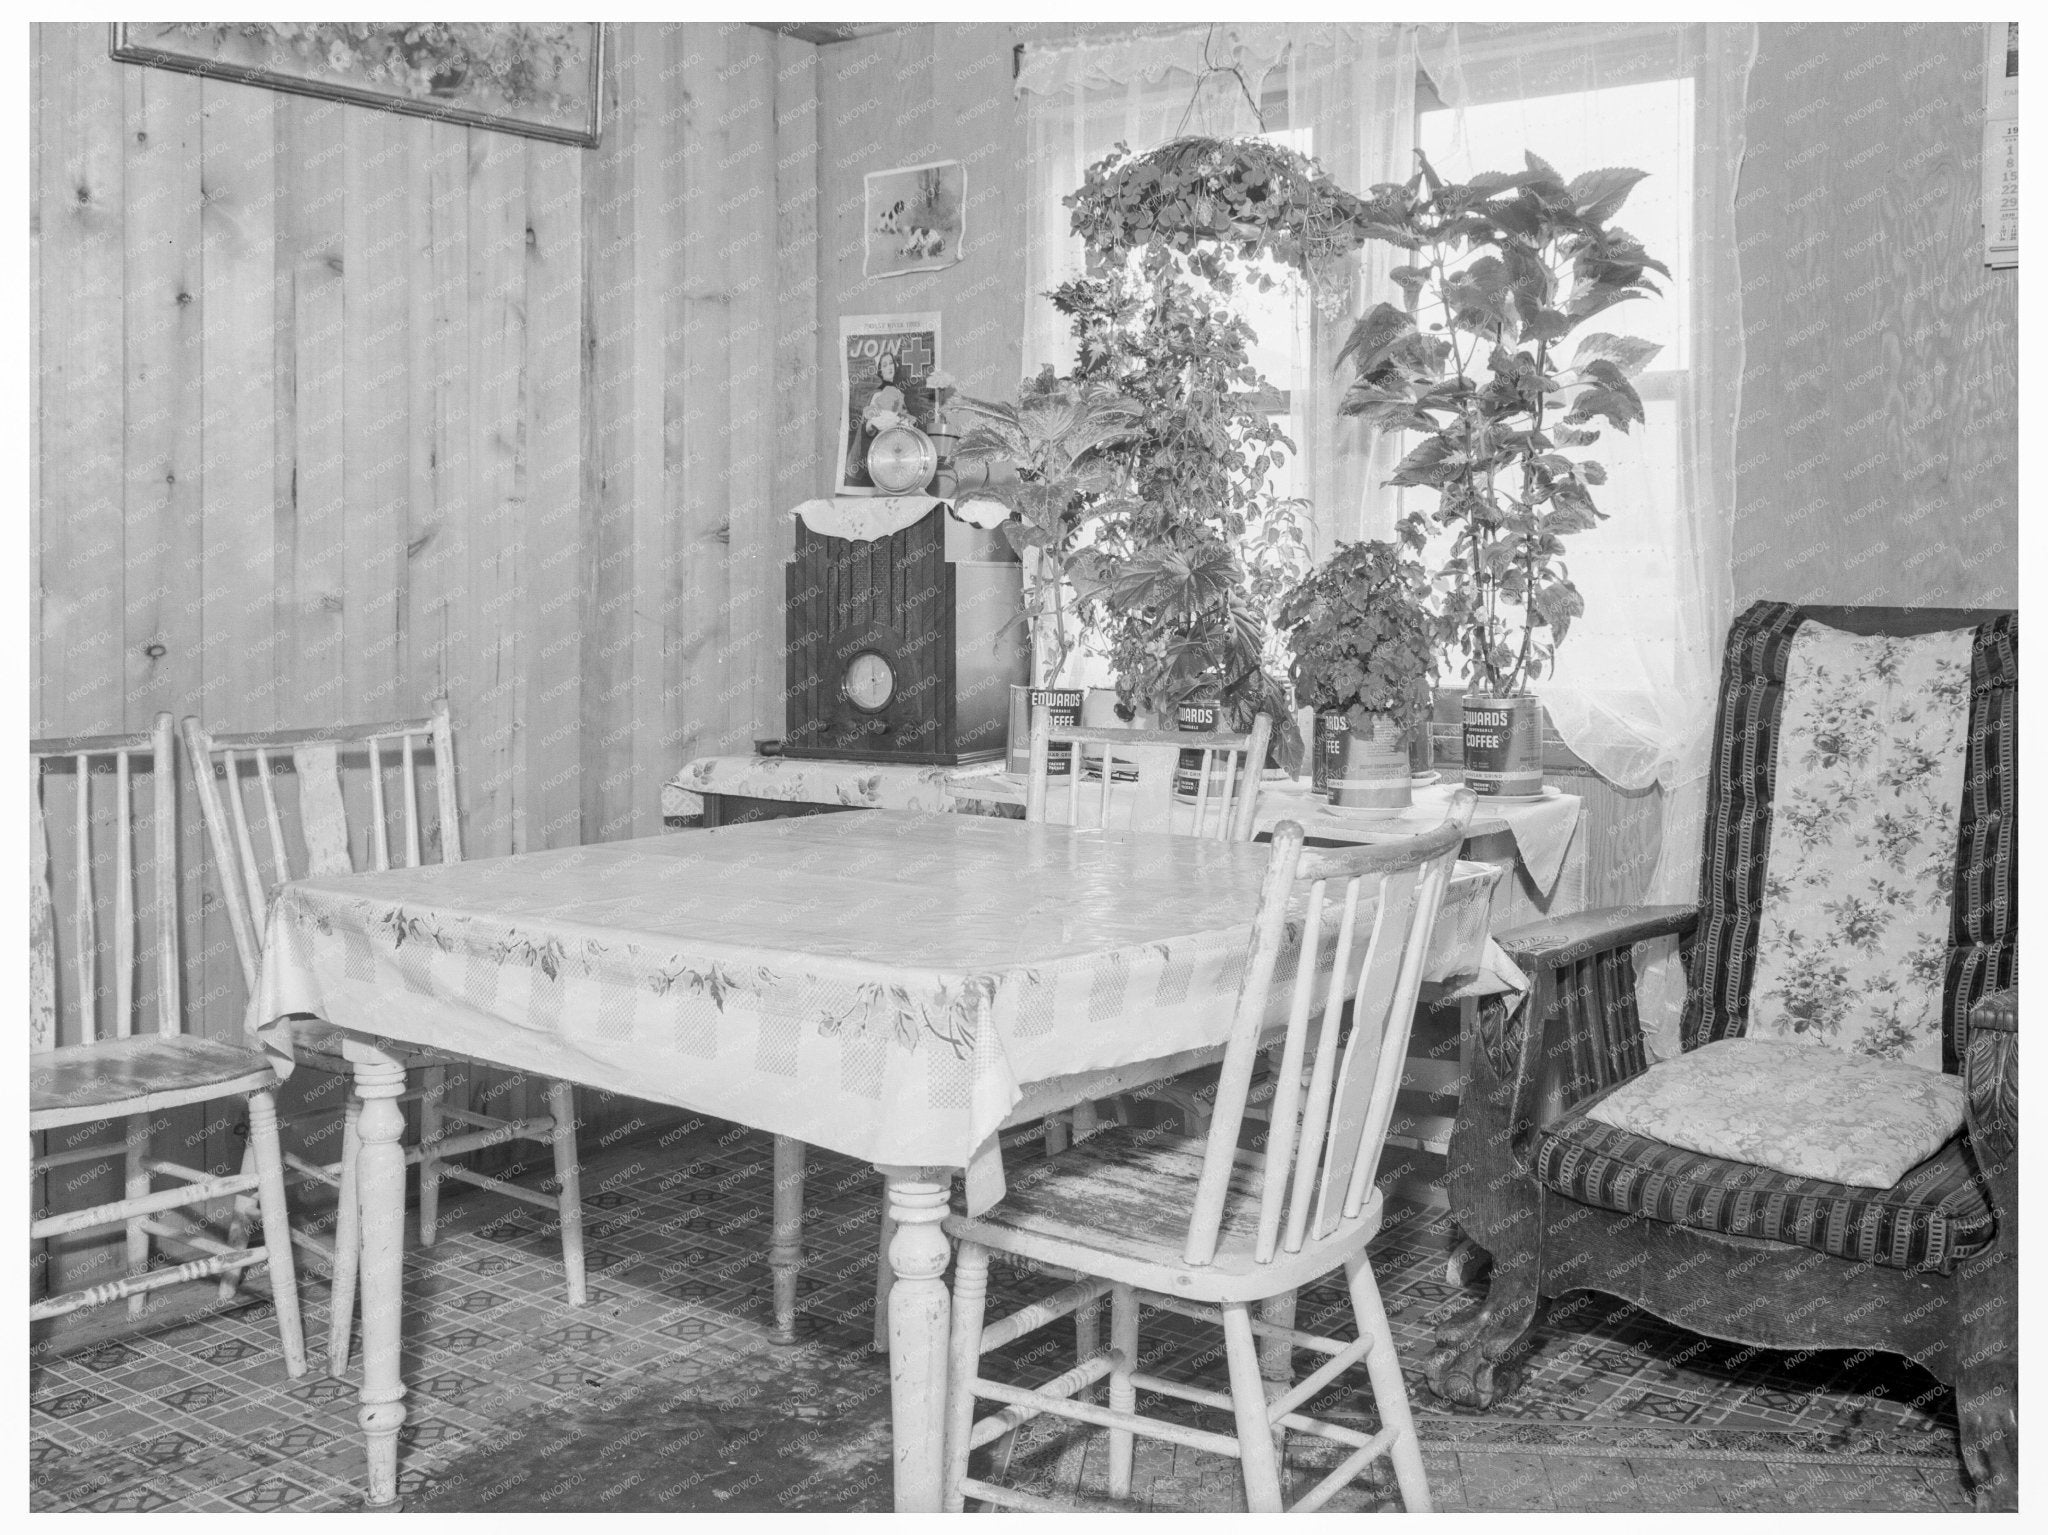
(303, 823)
(1225, 800)
(1223, 807)
(134, 1076)
(1203, 1229)
(1926, 1268)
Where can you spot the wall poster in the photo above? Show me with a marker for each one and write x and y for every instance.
(916, 218)
(885, 364)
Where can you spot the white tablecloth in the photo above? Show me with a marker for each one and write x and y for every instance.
(883, 985)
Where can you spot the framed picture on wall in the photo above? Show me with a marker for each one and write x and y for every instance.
(916, 218)
(537, 78)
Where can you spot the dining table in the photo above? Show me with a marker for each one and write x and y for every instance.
(896, 986)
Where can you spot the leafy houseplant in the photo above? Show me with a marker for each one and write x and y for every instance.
(1059, 438)
(1364, 645)
(1362, 636)
(1504, 270)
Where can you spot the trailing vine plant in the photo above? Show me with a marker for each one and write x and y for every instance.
(1195, 560)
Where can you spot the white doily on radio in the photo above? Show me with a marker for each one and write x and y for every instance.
(863, 517)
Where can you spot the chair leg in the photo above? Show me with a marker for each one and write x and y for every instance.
(1123, 1396)
(1087, 1341)
(1276, 1364)
(1055, 1134)
(137, 1185)
(963, 1363)
(569, 1186)
(432, 1129)
(885, 1279)
(1248, 1398)
(277, 1231)
(1389, 1391)
(1986, 1304)
(348, 1240)
(786, 1237)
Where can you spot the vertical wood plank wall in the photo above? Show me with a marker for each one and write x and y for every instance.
(337, 410)
(1878, 449)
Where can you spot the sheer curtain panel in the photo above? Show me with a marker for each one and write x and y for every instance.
(1633, 692)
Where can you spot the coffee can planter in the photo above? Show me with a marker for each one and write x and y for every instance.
(1065, 704)
(1197, 714)
(1363, 769)
(1503, 745)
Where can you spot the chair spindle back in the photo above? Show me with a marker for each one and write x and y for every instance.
(1365, 917)
(56, 998)
(311, 829)
(1224, 802)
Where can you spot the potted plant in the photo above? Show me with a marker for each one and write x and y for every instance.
(1364, 644)
(1227, 206)
(1055, 446)
(1481, 362)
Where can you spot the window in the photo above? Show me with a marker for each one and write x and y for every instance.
(1625, 567)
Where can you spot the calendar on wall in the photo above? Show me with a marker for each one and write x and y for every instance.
(2002, 143)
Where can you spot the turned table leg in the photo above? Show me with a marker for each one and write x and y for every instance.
(380, 1203)
(920, 1317)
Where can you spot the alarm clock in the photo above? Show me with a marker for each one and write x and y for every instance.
(903, 648)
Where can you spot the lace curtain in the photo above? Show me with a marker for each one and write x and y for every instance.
(1634, 689)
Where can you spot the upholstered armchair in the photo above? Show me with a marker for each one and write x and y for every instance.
(1831, 1160)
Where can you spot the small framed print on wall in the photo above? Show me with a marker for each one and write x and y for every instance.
(541, 79)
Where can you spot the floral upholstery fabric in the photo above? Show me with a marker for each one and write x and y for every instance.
(1852, 940)
(1984, 912)
(1838, 1118)
(1933, 1218)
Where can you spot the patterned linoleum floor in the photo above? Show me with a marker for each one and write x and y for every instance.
(664, 1392)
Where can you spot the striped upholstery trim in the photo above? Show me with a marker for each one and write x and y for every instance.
(1933, 1218)
(1739, 783)
(1982, 954)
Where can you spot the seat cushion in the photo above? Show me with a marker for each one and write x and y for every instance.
(1791, 1109)
(1934, 1217)
(138, 1074)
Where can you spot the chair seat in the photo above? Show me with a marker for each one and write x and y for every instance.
(139, 1074)
(1116, 1205)
(1933, 1218)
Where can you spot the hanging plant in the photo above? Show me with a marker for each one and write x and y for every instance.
(1225, 206)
